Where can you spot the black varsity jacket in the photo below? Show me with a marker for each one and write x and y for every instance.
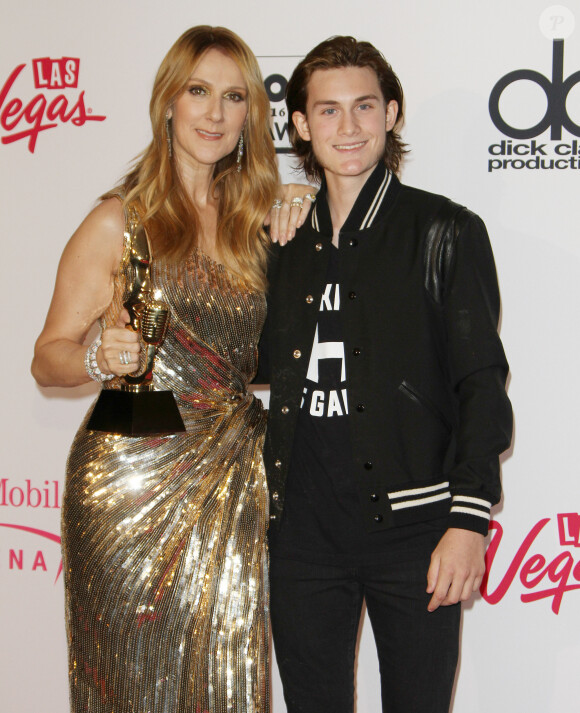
(428, 411)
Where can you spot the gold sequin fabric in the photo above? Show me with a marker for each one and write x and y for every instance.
(164, 542)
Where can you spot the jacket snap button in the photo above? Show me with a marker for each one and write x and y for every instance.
(353, 243)
(309, 299)
(374, 498)
(277, 464)
(352, 295)
(297, 354)
(360, 408)
(378, 518)
(368, 465)
(356, 351)
(318, 247)
(284, 409)
(272, 517)
(275, 496)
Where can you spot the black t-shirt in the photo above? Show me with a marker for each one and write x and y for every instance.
(322, 520)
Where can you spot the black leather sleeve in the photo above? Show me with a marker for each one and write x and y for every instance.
(478, 369)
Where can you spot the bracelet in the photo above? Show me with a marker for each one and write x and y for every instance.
(91, 363)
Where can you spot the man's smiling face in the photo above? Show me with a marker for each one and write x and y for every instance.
(346, 120)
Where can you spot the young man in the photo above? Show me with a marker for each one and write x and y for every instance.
(388, 409)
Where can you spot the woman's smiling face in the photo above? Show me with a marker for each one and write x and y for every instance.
(208, 117)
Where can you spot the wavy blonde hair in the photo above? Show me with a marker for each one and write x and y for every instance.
(154, 185)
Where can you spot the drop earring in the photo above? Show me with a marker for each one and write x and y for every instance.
(240, 152)
(168, 135)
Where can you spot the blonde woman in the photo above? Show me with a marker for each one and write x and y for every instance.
(164, 548)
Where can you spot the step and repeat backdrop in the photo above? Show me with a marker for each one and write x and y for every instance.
(492, 120)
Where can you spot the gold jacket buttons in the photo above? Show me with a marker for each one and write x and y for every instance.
(285, 410)
(309, 299)
(297, 354)
(275, 495)
(277, 464)
(318, 247)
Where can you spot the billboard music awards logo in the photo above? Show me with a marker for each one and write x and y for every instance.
(32, 553)
(24, 119)
(542, 576)
(522, 147)
(276, 72)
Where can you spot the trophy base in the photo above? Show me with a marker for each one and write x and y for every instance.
(143, 413)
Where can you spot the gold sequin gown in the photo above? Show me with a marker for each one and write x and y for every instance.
(164, 537)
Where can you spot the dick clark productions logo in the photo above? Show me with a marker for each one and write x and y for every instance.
(24, 119)
(518, 152)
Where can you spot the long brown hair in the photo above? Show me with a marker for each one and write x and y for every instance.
(335, 53)
(154, 185)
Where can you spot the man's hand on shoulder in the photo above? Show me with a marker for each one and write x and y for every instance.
(457, 567)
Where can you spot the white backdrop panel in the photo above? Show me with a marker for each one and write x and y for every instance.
(520, 641)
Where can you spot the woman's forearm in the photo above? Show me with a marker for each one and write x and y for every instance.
(60, 363)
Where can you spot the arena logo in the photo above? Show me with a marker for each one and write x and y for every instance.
(26, 559)
(556, 22)
(276, 71)
(24, 119)
(542, 576)
(29, 496)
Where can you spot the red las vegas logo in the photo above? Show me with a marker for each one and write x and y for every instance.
(540, 576)
(25, 119)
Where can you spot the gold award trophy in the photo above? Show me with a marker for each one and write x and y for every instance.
(138, 410)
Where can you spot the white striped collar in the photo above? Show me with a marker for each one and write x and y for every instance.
(377, 202)
(370, 203)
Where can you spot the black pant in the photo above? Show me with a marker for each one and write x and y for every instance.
(315, 612)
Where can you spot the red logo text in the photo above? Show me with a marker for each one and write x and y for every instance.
(17, 559)
(29, 496)
(56, 73)
(541, 577)
(26, 118)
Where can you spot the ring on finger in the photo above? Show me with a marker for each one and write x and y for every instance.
(277, 204)
(296, 202)
(311, 197)
(124, 357)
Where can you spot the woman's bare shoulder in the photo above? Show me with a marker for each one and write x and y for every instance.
(100, 233)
